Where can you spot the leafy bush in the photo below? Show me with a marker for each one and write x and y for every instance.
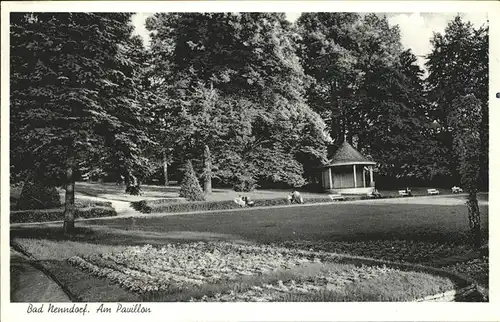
(36, 195)
(41, 215)
(144, 205)
(244, 184)
(133, 190)
(190, 186)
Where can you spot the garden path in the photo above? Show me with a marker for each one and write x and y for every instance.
(122, 208)
(29, 284)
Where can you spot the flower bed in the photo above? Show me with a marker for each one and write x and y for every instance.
(329, 280)
(252, 273)
(148, 268)
(392, 250)
(478, 269)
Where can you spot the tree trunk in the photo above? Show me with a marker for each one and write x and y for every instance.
(474, 219)
(165, 169)
(207, 186)
(69, 202)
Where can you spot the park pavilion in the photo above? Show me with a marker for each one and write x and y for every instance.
(348, 172)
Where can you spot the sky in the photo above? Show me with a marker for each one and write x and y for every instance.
(416, 28)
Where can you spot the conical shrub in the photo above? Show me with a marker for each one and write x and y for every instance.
(190, 186)
(36, 195)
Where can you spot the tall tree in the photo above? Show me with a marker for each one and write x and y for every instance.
(328, 53)
(245, 65)
(368, 89)
(74, 98)
(458, 65)
(340, 51)
(395, 128)
(465, 125)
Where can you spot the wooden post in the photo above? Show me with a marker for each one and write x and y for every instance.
(355, 179)
(364, 177)
(371, 176)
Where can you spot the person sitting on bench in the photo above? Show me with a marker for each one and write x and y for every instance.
(295, 197)
(376, 194)
(240, 201)
(248, 202)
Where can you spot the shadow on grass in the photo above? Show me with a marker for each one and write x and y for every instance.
(117, 237)
(110, 236)
(105, 189)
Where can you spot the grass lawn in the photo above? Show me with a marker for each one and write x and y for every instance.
(417, 230)
(342, 221)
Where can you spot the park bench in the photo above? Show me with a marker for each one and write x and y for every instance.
(336, 196)
(374, 194)
(432, 191)
(404, 193)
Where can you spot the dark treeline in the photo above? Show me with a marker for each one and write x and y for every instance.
(266, 100)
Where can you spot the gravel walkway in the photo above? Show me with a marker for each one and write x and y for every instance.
(122, 208)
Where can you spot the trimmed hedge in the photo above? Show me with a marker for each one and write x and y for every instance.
(87, 203)
(144, 205)
(41, 215)
(190, 206)
(156, 206)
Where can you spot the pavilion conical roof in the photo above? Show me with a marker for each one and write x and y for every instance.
(346, 155)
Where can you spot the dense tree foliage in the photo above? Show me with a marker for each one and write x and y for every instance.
(367, 88)
(458, 65)
(74, 98)
(234, 83)
(249, 98)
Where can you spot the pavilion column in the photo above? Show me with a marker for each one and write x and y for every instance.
(355, 179)
(330, 183)
(364, 177)
(371, 177)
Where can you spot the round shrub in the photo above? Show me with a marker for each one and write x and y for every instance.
(190, 186)
(36, 195)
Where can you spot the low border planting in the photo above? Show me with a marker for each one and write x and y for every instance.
(161, 205)
(143, 205)
(39, 215)
(87, 203)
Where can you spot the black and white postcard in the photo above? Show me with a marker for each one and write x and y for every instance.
(214, 160)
